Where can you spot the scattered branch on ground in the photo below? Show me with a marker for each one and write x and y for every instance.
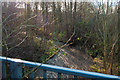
(36, 68)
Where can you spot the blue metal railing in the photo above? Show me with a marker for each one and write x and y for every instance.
(16, 70)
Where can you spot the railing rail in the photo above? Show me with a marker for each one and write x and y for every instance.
(16, 70)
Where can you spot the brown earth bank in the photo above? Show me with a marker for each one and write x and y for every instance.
(69, 57)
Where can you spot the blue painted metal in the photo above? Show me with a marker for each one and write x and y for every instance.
(16, 70)
(64, 70)
(32, 74)
(19, 71)
(12, 70)
(59, 76)
(4, 71)
(44, 75)
(75, 77)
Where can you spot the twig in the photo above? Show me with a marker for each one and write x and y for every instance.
(85, 43)
(112, 54)
(20, 27)
(8, 17)
(18, 44)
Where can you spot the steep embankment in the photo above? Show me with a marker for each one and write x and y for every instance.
(71, 58)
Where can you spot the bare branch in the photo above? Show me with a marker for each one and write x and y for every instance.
(20, 27)
(18, 43)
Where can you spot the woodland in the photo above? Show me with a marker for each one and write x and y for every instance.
(31, 29)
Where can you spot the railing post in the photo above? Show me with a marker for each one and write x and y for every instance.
(44, 75)
(4, 70)
(75, 77)
(32, 74)
(16, 70)
(59, 76)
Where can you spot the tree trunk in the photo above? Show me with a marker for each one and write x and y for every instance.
(66, 22)
(36, 12)
(71, 16)
(119, 38)
(74, 15)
